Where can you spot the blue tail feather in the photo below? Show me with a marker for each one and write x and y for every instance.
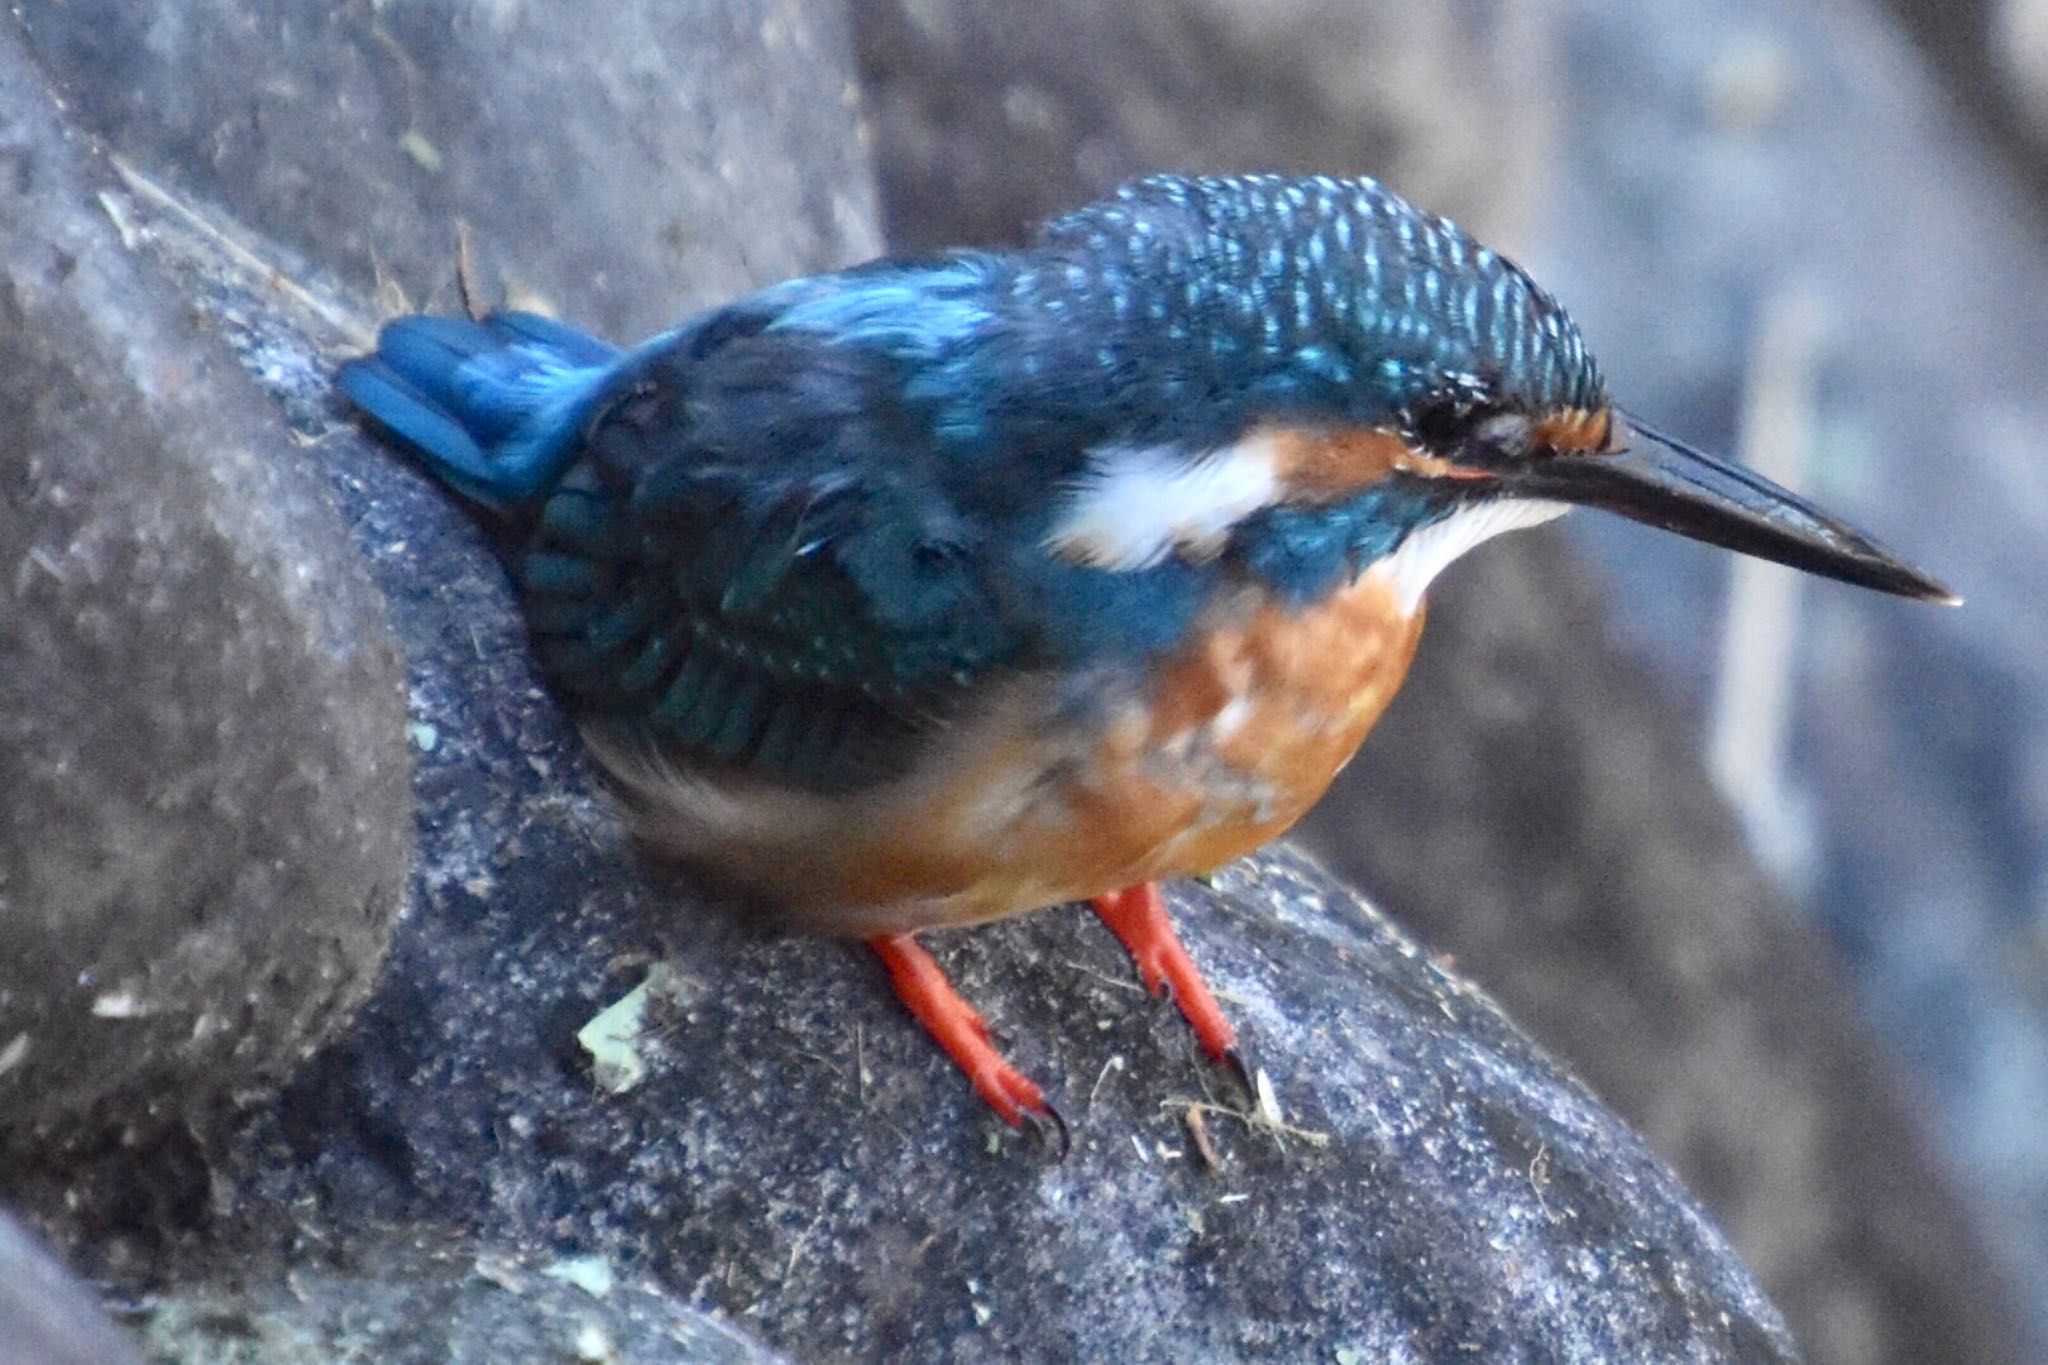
(492, 407)
(578, 348)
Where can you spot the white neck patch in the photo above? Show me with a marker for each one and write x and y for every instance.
(1138, 504)
(1414, 565)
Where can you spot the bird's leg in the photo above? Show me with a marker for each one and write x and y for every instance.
(922, 986)
(1137, 916)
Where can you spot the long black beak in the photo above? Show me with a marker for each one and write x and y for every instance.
(1663, 482)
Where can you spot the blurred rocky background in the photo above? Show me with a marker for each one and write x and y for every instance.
(1839, 159)
(1761, 860)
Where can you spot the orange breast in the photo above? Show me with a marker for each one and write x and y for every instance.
(1213, 753)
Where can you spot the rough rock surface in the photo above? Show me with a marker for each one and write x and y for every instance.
(1532, 803)
(398, 1296)
(204, 825)
(989, 116)
(357, 136)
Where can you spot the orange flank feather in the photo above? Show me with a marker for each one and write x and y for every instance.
(1242, 731)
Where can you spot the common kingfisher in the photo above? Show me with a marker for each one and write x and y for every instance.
(943, 588)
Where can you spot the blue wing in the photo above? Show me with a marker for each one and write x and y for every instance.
(751, 592)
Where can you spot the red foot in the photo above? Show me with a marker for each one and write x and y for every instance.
(1137, 916)
(922, 985)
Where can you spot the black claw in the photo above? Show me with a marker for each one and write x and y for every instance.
(1050, 1129)
(1233, 1058)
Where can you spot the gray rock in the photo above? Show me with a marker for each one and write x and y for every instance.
(990, 116)
(46, 1316)
(2018, 46)
(1992, 58)
(795, 1154)
(614, 136)
(403, 1298)
(204, 826)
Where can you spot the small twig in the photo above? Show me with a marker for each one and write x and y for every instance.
(143, 187)
(1258, 1123)
(831, 1064)
(1198, 1135)
(389, 294)
(1115, 1063)
(1117, 981)
(465, 272)
(796, 1247)
(1539, 1177)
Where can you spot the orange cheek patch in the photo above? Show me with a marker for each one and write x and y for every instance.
(1330, 464)
(1576, 430)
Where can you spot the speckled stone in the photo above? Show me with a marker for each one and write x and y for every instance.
(615, 162)
(204, 825)
(404, 1298)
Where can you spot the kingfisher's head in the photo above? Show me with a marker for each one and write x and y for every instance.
(1396, 393)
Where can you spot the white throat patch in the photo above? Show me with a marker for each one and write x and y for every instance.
(1427, 552)
(1136, 505)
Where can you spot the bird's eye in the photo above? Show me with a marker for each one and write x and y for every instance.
(1500, 439)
